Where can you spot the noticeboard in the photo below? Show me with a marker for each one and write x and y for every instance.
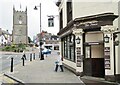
(107, 57)
(79, 57)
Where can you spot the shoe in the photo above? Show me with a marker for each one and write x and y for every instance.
(55, 70)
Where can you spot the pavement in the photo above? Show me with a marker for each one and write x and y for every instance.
(88, 80)
(42, 71)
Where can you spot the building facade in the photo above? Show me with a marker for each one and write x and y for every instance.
(20, 29)
(5, 38)
(49, 41)
(89, 35)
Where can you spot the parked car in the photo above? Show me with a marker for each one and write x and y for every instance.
(46, 51)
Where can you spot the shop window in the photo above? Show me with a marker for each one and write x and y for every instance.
(87, 52)
(68, 49)
(68, 40)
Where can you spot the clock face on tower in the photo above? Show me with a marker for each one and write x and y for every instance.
(20, 22)
(20, 19)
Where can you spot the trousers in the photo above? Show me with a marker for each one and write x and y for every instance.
(61, 67)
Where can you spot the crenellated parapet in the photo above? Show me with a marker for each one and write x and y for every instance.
(19, 11)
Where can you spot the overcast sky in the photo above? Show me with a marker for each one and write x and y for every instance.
(48, 7)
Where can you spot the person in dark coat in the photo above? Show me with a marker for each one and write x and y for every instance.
(24, 56)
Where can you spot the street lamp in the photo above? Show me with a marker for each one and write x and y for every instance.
(106, 39)
(78, 40)
(40, 27)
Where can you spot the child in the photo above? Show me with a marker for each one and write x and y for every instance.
(59, 62)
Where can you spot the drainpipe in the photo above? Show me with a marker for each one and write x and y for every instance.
(114, 59)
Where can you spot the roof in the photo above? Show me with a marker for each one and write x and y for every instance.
(4, 32)
(102, 16)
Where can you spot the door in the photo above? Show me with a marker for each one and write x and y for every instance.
(87, 61)
(97, 56)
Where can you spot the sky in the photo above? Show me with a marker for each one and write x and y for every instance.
(48, 7)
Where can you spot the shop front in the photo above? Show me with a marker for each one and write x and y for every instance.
(84, 48)
(94, 54)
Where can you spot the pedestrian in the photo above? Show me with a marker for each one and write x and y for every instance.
(59, 62)
(24, 56)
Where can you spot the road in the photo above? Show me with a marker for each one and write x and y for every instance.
(5, 60)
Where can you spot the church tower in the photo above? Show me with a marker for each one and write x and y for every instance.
(20, 28)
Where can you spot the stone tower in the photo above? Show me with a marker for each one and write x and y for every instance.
(20, 29)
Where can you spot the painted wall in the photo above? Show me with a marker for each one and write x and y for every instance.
(119, 15)
(110, 44)
(94, 37)
(69, 63)
(81, 9)
(118, 48)
(117, 51)
(63, 8)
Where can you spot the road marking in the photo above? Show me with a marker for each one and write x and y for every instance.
(8, 57)
(8, 80)
(15, 56)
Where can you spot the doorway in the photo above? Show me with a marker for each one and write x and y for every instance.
(94, 60)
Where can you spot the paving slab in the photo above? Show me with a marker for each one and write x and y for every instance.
(42, 71)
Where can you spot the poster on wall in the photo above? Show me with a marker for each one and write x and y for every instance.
(107, 57)
(79, 57)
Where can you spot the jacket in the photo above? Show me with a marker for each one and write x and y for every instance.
(59, 60)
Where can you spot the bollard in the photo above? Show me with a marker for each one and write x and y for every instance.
(31, 57)
(34, 56)
(23, 61)
(42, 57)
(11, 65)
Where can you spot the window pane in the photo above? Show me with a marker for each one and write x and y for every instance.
(87, 53)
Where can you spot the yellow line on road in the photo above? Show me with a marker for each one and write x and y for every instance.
(5, 79)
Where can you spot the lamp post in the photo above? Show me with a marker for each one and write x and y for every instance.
(40, 27)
